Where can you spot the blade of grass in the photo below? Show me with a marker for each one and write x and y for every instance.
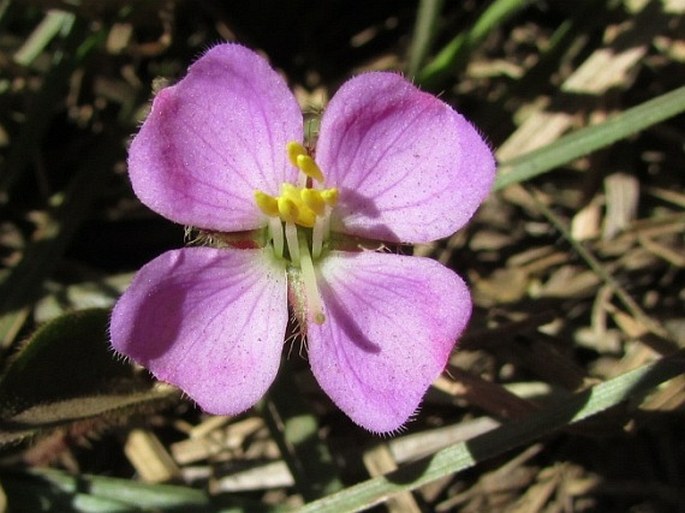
(630, 386)
(589, 139)
(4, 5)
(453, 56)
(66, 377)
(86, 493)
(52, 24)
(424, 33)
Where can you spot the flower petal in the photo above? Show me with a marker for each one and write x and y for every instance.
(209, 321)
(215, 137)
(391, 323)
(409, 168)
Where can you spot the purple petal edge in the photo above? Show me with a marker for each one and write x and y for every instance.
(391, 323)
(214, 138)
(409, 167)
(209, 321)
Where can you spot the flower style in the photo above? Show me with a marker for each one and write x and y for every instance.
(223, 151)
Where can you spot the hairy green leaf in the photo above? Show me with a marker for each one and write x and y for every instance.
(65, 373)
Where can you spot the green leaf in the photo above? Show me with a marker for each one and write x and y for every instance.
(65, 373)
(456, 53)
(54, 490)
(427, 16)
(632, 385)
(53, 23)
(589, 139)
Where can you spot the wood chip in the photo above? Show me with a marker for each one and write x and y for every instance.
(670, 397)
(378, 460)
(149, 457)
(585, 224)
(274, 474)
(622, 197)
(213, 437)
(610, 66)
(536, 497)
(417, 445)
(490, 397)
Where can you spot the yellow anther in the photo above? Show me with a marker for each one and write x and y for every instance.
(266, 203)
(309, 167)
(287, 209)
(292, 209)
(291, 192)
(330, 196)
(306, 216)
(299, 204)
(312, 198)
(294, 150)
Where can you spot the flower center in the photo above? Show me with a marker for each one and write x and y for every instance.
(299, 222)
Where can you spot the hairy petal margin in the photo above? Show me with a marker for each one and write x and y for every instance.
(213, 138)
(391, 323)
(209, 321)
(409, 168)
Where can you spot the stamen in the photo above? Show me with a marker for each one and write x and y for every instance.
(295, 149)
(314, 303)
(290, 191)
(287, 209)
(318, 236)
(312, 198)
(266, 203)
(300, 205)
(326, 229)
(309, 167)
(293, 245)
(322, 228)
(330, 196)
(276, 230)
(304, 215)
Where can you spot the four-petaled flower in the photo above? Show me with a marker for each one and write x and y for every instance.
(223, 151)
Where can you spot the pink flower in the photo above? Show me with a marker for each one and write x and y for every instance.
(222, 151)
